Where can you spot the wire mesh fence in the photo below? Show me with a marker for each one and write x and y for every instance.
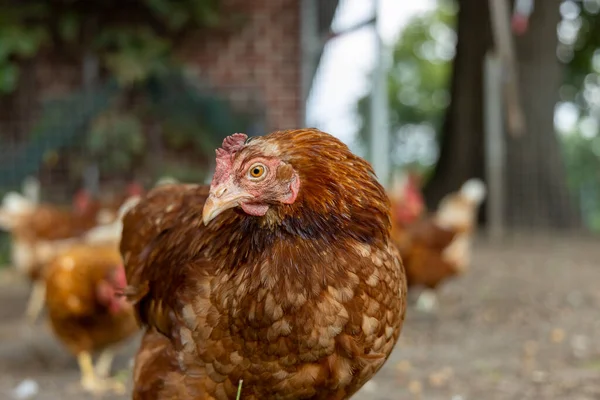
(258, 78)
(171, 126)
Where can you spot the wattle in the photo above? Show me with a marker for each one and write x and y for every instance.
(257, 210)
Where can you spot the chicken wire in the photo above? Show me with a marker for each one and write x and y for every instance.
(45, 125)
(36, 126)
(104, 137)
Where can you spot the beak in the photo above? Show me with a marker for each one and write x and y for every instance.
(221, 198)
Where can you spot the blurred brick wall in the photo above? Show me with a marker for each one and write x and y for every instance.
(262, 54)
(257, 59)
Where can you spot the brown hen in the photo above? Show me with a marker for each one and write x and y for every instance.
(282, 275)
(85, 311)
(438, 247)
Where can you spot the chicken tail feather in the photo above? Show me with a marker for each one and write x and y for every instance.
(474, 190)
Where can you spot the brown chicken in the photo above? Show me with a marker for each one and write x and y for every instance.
(438, 246)
(40, 232)
(282, 277)
(85, 311)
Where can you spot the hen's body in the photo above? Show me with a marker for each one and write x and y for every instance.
(422, 246)
(439, 246)
(306, 302)
(76, 317)
(156, 364)
(85, 314)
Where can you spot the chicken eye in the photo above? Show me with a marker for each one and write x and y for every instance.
(257, 171)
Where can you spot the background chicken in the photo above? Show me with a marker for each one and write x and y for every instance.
(439, 246)
(291, 284)
(40, 232)
(85, 311)
(407, 204)
(105, 208)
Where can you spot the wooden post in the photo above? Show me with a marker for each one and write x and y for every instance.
(495, 154)
(380, 135)
(90, 74)
(309, 15)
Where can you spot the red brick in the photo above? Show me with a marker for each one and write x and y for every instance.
(263, 54)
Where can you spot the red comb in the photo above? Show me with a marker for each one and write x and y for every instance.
(231, 145)
(135, 189)
(234, 142)
(412, 187)
(82, 200)
(119, 277)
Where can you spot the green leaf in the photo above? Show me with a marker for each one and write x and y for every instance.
(27, 42)
(115, 139)
(6, 44)
(9, 77)
(69, 26)
(160, 7)
(136, 54)
(206, 12)
(127, 68)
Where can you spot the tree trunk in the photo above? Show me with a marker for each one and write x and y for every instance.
(537, 193)
(462, 145)
(538, 196)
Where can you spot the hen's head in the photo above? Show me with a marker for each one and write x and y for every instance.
(253, 177)
(293, 175)
(135, 189)
(110, 289)
(407, 199)
(82, 201)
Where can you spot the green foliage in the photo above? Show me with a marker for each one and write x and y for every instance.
(183, 172)
(579, 50)
(582, 158)
(9, 77)
(192, 115)
(111, 131)
(133, 55)
(114, 140)
(62, 121)
(133, 39)
(581, 155)
(18, 41)
(579, 35)
(418, 80)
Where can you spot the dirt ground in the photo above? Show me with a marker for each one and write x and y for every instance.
(522, 324)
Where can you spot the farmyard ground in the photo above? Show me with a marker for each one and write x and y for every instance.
(524, 323)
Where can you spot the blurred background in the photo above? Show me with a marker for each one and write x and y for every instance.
(99, 95)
